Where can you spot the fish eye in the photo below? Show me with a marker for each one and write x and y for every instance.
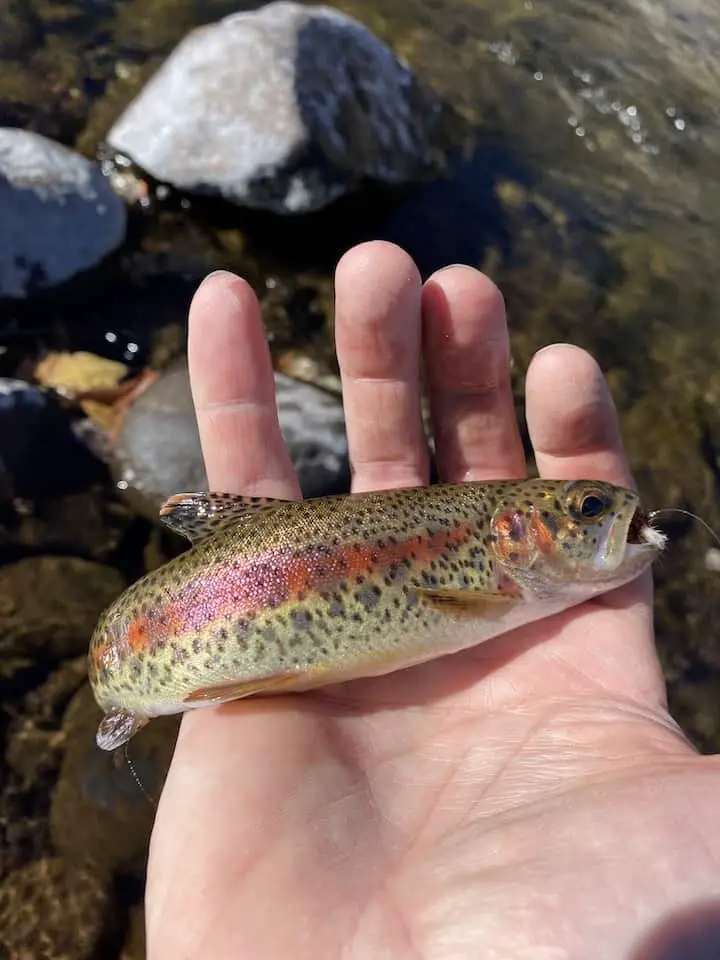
(588, 503)
(592, 507)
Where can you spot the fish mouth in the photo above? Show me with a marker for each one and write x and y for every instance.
(639, 522)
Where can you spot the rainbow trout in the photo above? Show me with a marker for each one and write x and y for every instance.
(277, 596)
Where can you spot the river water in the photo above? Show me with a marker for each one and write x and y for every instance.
(585, 182)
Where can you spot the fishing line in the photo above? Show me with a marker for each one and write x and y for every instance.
(686, 513)
(136, 778)
(712, 602)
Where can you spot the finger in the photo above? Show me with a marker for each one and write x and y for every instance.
(233, 389)
(572, 419)
(574, 430)
(377, 335)
(467, 359)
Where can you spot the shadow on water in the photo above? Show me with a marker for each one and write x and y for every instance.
(455, 219)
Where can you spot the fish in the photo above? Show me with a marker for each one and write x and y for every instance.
(277, 596)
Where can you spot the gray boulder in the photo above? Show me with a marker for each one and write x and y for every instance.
(158, 450)
(284, 108)
(58, 215)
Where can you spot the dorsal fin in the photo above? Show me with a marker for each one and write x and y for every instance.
(195, 515)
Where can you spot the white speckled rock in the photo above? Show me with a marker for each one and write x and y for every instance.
(158, 450)
(285, 108)
(58, 215)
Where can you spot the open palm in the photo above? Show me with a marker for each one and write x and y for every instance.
(529, 798)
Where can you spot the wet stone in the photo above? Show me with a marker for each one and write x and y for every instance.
(59, 214)
(135, 947)
(99, 813)
(284, 108)
(52, 908)
(85, 523)
(40, 451)
(49, 605)
(158, 450)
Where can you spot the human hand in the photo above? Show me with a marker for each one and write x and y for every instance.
(528, 798)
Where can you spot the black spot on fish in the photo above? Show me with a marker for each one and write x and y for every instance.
(369, 596)
(301, 619)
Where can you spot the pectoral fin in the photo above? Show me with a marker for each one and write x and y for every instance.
(238, 689)
(471, 603)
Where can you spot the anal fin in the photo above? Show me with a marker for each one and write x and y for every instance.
(228, 690)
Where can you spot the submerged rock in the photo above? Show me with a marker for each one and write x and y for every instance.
(158, 449)
(49, 606)
(59, 216)
(53, 908)
(284, 108)
(40, 451)
(99, 813)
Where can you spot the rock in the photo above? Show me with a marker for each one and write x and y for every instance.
(158, 450)
(284, 108)
(99, 812)
(49, 605)
(86, 524)
(40, 452)
(50, 908)
(22, 29)
(59, 215)
(34, 740)
(135, 946)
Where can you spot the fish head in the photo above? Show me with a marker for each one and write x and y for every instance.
(583, 531)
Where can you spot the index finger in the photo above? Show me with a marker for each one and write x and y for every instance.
(572, 418)
(233, 388)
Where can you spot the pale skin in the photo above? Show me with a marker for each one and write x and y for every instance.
(529, 798)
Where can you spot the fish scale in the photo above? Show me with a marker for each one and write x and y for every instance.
(292, 595)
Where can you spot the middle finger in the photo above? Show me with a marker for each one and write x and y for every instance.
(377, 336)
(467, 358)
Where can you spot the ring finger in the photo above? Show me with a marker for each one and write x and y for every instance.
(467, 358)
